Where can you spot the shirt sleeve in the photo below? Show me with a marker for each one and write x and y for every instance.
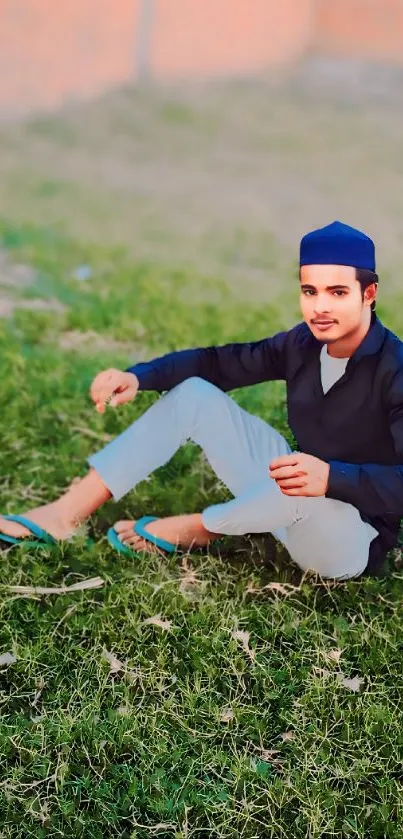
(228, 367)
(375, 490)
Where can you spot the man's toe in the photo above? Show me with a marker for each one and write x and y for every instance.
(128, 537)
(125, 525)
(12, 528)
(134, 541)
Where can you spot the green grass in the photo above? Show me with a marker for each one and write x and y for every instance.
(189, 743)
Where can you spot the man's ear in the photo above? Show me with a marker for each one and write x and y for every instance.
(370, 292)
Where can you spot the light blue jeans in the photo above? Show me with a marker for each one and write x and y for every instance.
(319, 533)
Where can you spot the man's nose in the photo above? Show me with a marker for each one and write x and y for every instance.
(322, 305)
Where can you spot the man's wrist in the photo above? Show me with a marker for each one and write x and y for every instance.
(133, 376)
(327, 477)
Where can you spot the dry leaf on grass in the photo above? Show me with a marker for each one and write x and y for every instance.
(123, 711)
(227, 715)
(281, 588)
(189, 579)
(270, 756)
(288, 735)
(117, 666)
(333, 655)
(267, 754)
(244, 638)
(83, 585)
(351, 684)
(39, 690)
(156, 620)
(321, 672)
(7, 658)
(154, 828)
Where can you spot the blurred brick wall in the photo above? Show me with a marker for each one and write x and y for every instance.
(55, 50)
(361, 28)
(51, 50)
(216, 37)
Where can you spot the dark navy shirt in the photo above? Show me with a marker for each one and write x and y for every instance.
(356, 427)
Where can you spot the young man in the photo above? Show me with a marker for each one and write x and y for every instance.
(336, 503)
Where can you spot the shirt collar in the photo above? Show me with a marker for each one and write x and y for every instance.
(370, 344)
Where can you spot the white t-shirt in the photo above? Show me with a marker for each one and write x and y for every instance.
(332, 369)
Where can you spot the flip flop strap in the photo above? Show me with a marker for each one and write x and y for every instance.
(149, 537)
(33, 528)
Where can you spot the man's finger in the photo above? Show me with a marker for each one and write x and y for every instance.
(291, 483)
(300, 491)
(286, 472)
(102, 400)
(97, 392)
(99, 380)
(285, 460)
(104, 394)
(121, 397)
(102, 382)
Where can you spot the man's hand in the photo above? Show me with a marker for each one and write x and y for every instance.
(300, 474)
(114, 387)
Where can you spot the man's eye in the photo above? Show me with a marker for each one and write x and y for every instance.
(338, 291)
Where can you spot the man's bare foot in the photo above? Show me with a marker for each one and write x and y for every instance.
(63, 517)
(49, 517)
(184, 531)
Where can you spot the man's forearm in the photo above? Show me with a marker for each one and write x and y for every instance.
(167, 371)
(228, 366)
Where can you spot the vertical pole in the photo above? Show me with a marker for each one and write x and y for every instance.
(144, 32)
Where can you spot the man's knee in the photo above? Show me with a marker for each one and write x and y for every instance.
(195, 387)
(198, 405)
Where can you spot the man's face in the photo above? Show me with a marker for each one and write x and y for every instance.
(332, 294)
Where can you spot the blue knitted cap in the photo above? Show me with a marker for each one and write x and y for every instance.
(338, 244)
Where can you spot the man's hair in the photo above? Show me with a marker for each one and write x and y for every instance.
(366, 278)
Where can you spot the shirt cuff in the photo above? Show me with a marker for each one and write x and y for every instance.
(343, 481)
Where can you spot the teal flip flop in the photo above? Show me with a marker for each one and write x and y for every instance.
(42, 537)
(138, 528)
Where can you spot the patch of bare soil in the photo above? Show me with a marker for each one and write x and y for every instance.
(92, 342)
(9, 304)
(16, 278)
